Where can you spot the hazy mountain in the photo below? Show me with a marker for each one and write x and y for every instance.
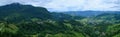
(87, 13)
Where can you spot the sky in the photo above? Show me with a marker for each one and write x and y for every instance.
(70, 5)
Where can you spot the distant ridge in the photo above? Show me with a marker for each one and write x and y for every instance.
(88, 13)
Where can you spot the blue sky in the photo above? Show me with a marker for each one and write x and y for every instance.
(70, 5)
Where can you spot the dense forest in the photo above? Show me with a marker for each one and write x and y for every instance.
(18, 20)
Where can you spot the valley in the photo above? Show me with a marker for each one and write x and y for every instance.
(18, 20)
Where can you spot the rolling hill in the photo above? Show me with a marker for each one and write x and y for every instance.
(17, 20)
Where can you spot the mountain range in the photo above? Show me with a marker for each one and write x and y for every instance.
(88, 13)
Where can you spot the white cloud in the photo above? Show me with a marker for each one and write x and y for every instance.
(100, 5)
(71, 5)
(74, 5)
(65, 5)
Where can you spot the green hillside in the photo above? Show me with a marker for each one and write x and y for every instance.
(18, 20)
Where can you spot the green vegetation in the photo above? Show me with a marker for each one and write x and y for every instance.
(27, 21)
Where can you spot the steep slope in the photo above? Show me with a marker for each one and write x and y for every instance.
(18, 11)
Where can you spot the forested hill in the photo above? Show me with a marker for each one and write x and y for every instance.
(17, 10)
(17, 20)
